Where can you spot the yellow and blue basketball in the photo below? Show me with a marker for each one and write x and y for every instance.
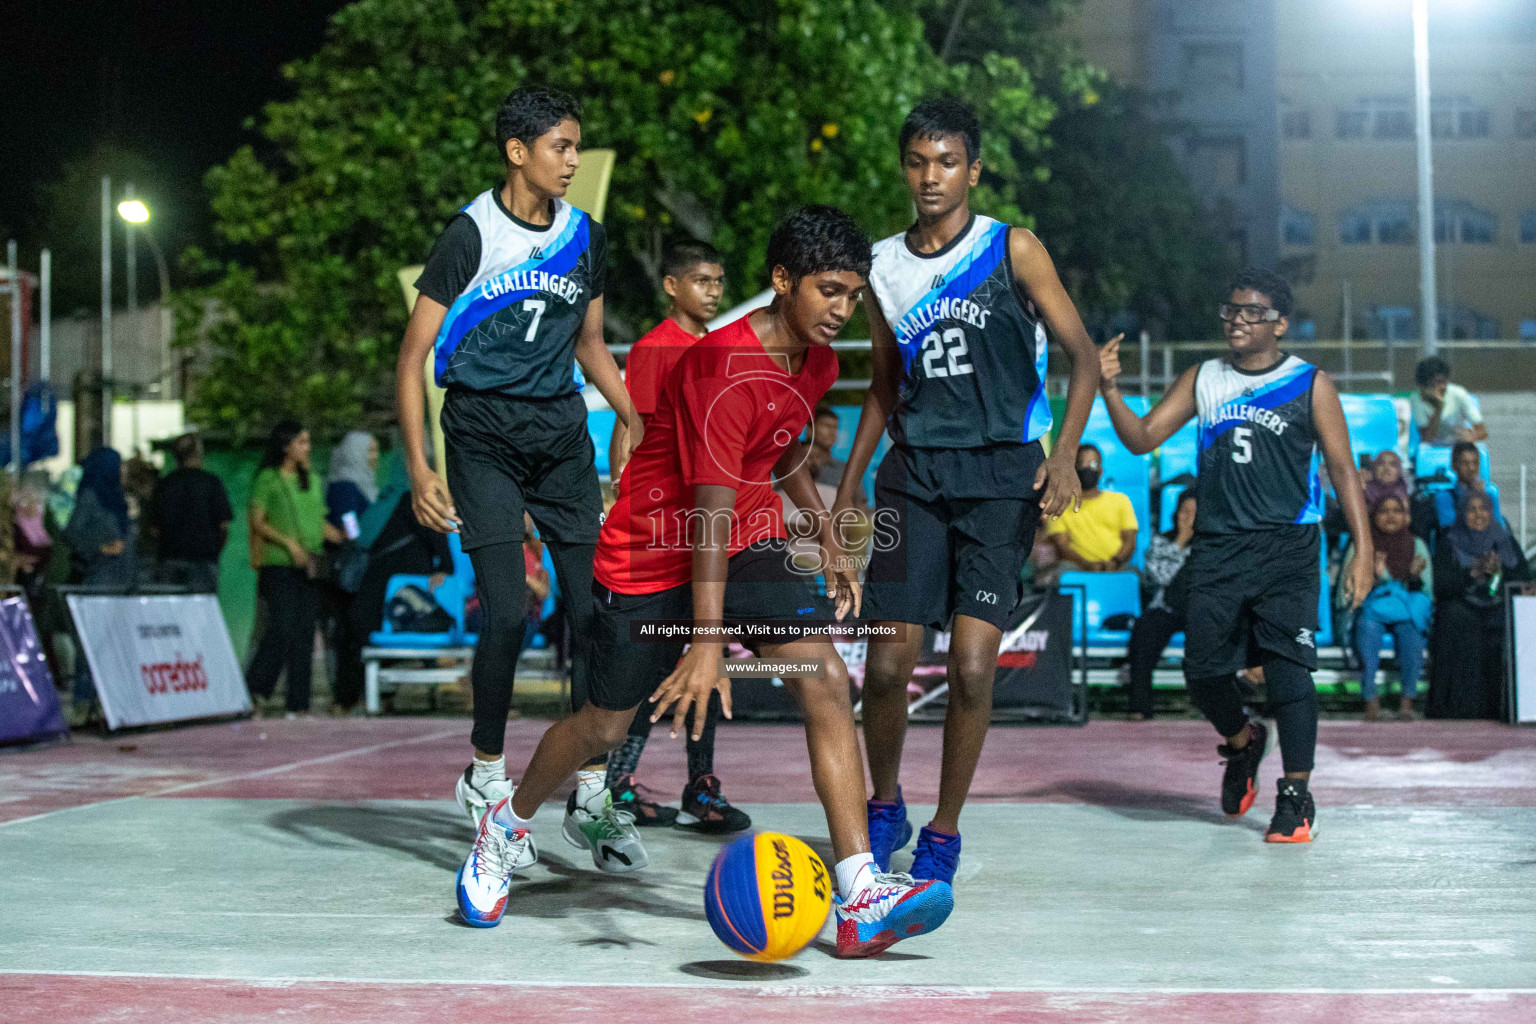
(767, 896)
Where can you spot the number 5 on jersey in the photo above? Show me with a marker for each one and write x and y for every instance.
(537, 305)
(1242, 440)
(951, 348)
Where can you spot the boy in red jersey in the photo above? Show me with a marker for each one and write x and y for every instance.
(693, 280)
(697, 534)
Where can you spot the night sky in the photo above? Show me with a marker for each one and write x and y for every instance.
(170, 80)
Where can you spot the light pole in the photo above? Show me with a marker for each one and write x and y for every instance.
(106, 311)
(137, 215)
(1428, 306)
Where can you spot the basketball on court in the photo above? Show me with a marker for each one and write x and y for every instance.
(767, 896)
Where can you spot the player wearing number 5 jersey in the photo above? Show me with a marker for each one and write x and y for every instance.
(959, 353)
(510, 299)
(1254, 565)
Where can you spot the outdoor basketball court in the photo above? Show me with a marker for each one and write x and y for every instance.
(303, 871)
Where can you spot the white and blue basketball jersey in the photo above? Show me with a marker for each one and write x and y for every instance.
(513, 327)
(1258, 447)
(973, 359)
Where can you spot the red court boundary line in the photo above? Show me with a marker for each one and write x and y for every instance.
(241, 777)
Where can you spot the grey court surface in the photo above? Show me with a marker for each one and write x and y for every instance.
(1050, 896)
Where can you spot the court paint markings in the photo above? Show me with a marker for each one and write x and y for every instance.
(259, 773)
(792, 989)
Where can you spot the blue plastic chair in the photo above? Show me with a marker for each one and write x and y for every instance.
(1372, 421)
(1180, 454)
(1434, 458)
(1108, 594)
(450, 595)
(600, 427)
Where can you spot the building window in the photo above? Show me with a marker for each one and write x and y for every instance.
(1528, 227)
(1525, 124)
(1350, 124)
(1296, 124)
(1456, 117)
(1221, 161)
(1393, 323)
(1211, 67)
(1463, 323)
(1386, 222)
(1528, 330)
(1297, 227)
(1456, 221)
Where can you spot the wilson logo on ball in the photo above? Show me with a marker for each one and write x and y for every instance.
(767, 896)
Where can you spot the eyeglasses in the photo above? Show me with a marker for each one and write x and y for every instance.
(1248, 314)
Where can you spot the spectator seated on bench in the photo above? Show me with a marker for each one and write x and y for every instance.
(1466, 462)
(1399, 604)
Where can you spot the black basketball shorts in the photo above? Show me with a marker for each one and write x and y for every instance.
(1250, 592)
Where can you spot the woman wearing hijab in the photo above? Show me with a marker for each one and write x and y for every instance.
(1399, 604)
(1386, 480)
(352, 485)
(1473, 560)
(397, 545)
(288, 517)
(98, 533)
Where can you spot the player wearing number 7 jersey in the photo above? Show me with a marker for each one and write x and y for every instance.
(510, 299)
(959, 354)
(1254, 564)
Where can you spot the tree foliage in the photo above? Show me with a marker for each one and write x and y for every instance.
(725, 116)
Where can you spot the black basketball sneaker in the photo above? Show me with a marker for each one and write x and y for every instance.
(1237, 788)
(629, 795)
(705, 809)
(1295, 819)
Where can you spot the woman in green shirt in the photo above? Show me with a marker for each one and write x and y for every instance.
(287, 515)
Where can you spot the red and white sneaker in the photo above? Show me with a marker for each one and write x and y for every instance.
(890, 908)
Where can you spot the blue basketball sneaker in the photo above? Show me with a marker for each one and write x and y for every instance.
(889, 829)
(936, 855)
(890, 908)
(486, 874)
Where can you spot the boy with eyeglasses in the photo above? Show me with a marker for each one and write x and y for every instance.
(1254, 563)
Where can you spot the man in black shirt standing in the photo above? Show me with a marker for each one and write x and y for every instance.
(509, 301)
(190, 514)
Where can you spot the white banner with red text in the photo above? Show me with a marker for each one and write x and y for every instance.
(160, 657)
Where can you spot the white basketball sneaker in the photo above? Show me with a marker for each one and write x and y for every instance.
(610, 835)
(476, 799)
(486, 875)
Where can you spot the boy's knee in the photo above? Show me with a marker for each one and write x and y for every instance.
(602, 730)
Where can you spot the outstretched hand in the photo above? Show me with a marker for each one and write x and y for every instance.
(689, 687)
(1109, 360)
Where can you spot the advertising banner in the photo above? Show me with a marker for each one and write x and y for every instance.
(160, 657)
(29, 705)
(1034, 660)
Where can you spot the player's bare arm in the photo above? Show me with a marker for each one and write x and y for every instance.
(598, 366)
(698, 671)
(1333, 436)
(842, 581)
(1141, 434)
(879, 401)
(1036, 274)
(430, 499)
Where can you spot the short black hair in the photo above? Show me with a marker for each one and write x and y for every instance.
(186, 448)
(938, 116)
(1429, 368)
(530, 111)
(816, 239)
(1089, 445)
(1265, 282)
(823, 409)
(1465, 446)
(682, 256)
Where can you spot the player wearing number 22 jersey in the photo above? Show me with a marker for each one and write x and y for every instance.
(959, 351)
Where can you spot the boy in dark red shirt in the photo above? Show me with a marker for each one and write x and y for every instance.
(697, 534)
(693, 280)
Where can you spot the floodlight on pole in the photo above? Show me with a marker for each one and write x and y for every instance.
(136, 213)
(133, 211)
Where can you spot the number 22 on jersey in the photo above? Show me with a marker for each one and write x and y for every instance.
(946, 356)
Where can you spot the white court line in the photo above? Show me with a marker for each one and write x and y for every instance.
(242, 776)
(787, 988)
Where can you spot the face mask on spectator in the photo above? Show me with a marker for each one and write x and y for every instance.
(1089, 478)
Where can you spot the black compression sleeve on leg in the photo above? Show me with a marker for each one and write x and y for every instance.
(701, 751)
(573, 570)
(501, 580)
(1293, 702)
(1220, 701)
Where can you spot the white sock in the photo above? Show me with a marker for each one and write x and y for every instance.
(854, 873)
(592, 789)
(488, 771)
(503, 814)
